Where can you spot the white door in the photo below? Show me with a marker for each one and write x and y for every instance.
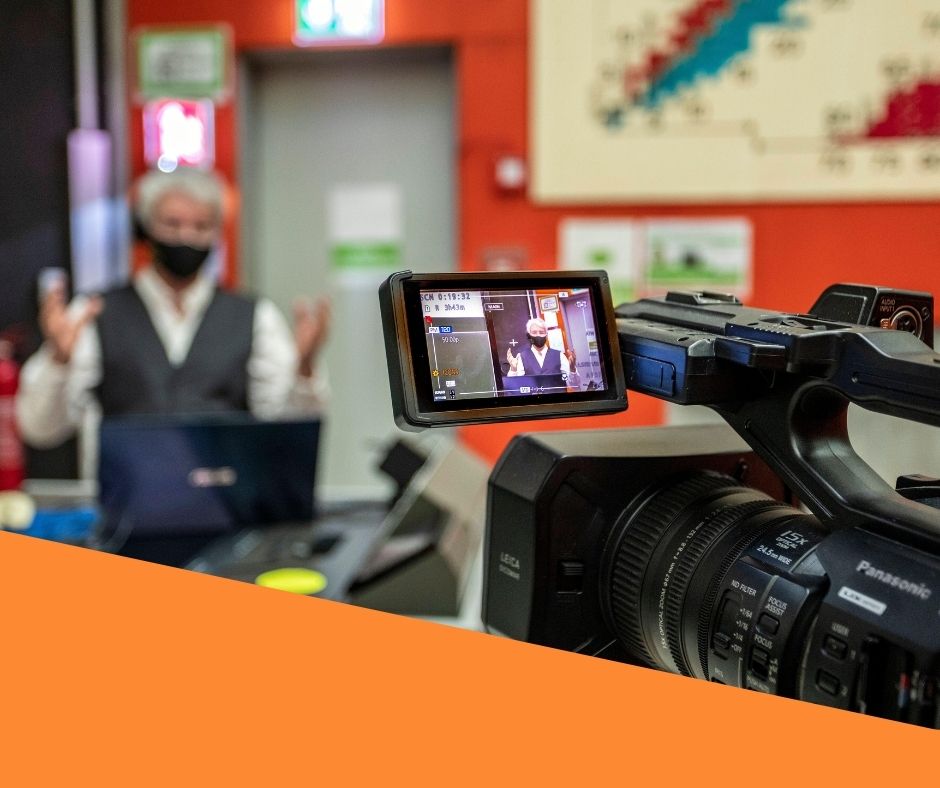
(318, 124)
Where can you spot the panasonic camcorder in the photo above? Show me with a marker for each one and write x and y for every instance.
(766, 556)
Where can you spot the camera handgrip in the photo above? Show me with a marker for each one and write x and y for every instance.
(890, 372)
(800, 428)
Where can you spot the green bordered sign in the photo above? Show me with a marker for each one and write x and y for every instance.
(184, 62)
(367, 255)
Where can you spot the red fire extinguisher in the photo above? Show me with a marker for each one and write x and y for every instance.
(11, 447)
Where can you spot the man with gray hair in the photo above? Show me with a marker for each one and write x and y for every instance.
(170, 342)
(550, 368)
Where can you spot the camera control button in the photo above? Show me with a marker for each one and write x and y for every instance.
(835, 648)
(767, 623)
(723, 636)
(760, 663)
(570, 576)
(828, 683)
(721, 641)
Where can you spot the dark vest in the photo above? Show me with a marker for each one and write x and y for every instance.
(552, 365)
(138, 378)
(548, 376)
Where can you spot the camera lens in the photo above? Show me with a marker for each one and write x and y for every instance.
(683, 593)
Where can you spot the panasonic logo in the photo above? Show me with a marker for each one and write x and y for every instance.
(919, 590)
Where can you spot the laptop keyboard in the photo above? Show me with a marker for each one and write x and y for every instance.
(298, 542)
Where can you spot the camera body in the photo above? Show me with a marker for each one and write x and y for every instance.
(548, 529)
(681, 548)
(672, 550)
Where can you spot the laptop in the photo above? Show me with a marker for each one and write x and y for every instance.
(231, 497)
(176, 477)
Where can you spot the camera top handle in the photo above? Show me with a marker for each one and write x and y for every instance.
(784, 382)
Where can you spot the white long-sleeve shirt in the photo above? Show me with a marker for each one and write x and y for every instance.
(56, 399)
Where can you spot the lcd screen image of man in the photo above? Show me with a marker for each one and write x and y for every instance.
(171, 342)
(541, 368)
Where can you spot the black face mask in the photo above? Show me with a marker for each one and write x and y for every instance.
(180, 260)
(539, 342)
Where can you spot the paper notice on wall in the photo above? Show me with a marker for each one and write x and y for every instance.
(365, 226)
(700, 254)
(611, 245)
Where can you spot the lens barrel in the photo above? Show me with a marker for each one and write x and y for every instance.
(666, 569)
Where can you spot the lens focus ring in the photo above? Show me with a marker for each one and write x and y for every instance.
(638, 536)
(708, 532)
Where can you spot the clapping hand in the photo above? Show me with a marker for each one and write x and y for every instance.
(514, 361)
(311, 328)
(60, 329)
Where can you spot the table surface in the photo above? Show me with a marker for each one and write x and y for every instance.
(63, 493)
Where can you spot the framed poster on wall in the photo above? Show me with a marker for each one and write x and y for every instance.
(194, 62)
(692, 101)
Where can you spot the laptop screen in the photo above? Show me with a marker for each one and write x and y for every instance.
(166, 476)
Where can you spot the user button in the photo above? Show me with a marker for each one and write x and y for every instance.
(835, 648)
(828, 683)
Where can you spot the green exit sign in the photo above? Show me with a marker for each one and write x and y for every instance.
(338, 21)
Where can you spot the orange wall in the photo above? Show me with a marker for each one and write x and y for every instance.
(798, 248)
